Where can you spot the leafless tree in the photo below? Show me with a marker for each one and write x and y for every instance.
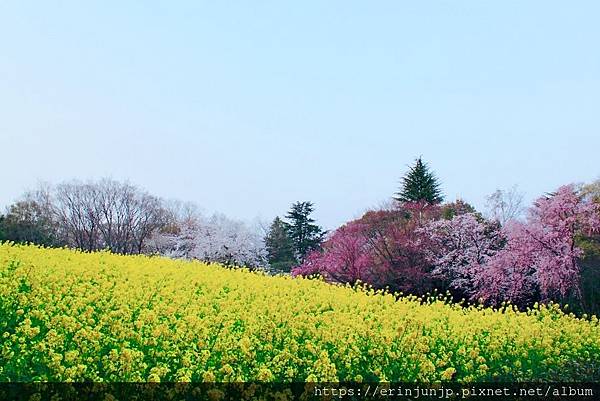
(103, 214)
(505, 205)
(74, 211)
(591, 191)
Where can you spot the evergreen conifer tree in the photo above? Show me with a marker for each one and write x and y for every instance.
(280, 249)
(420, 185)
(305, 235)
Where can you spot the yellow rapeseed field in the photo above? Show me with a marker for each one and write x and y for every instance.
(72, 316)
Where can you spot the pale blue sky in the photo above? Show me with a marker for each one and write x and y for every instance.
(246, 107)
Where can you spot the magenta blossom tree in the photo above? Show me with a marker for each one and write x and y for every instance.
(383, 248)
(345, 258)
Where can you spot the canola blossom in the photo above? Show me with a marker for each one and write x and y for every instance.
(72, 316)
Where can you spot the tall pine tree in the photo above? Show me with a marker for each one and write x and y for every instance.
(420, 185)
(280, 249)
(306, 236)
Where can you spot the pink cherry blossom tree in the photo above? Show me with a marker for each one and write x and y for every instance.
(460, 248)
(541, 258)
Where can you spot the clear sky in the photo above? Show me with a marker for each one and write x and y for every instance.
(246, 107)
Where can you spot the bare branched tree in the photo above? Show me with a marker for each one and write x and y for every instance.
(505, 205)
(104, 214)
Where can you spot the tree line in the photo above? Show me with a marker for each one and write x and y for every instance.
(89, 216)
(124, 219)
(416, 244)
(419, 244)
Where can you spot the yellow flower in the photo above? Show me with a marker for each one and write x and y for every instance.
(208, 377)
(227, 369)
(154, 378)
(448, 374)
(265, 375)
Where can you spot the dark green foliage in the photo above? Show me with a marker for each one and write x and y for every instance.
(456, 208)
(2, 233)
(588, 300)
(280, 249)
(420, 185)
(26, 222)
(305, 235)
(590, 242)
